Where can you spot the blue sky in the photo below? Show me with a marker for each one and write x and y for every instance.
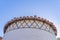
(49, 9)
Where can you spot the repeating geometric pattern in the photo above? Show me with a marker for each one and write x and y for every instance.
(30, 24)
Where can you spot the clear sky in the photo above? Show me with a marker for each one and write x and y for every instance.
(49, 9)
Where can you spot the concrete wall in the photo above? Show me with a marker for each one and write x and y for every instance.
(29, 34)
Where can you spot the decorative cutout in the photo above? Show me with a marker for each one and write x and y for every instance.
(30, 24)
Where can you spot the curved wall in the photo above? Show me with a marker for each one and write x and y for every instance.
(29, 34)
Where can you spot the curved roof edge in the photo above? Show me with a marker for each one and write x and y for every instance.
(30, 18)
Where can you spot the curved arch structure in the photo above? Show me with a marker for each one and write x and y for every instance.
(32, 22)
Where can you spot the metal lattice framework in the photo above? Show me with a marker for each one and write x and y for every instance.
(30, 22)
